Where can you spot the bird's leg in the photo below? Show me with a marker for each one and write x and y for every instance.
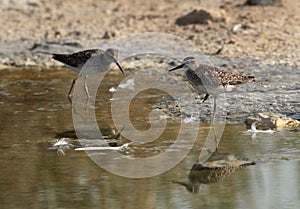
(86, 87)
(71, 89)
(213, 122)
(205, 98)
(215, 108)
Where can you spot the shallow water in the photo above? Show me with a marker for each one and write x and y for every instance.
(34, 109)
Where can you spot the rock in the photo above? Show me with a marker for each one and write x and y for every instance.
(262, 2)
(236, 28)
(29, 63)
(272, 120)
(111, 34)
(195, 17)
(106, 35)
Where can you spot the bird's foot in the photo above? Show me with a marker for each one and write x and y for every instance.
(205, 98)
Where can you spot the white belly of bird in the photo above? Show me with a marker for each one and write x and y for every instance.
(213, 90)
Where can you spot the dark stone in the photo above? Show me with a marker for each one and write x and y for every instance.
(195, 17)
(262, 2)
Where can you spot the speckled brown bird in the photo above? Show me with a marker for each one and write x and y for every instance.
(210, 80)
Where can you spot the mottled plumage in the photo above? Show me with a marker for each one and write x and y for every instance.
(210, 80)
(76, 61)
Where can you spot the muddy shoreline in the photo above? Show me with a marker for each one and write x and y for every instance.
(34, 29)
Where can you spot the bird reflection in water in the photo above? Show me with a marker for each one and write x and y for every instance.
(215, 169)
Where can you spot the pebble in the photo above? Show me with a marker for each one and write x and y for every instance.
(272, 120)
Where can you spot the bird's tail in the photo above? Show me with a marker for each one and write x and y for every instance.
(59, 57)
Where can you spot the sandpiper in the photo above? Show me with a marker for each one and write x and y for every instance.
(76, 61)
(210, 80)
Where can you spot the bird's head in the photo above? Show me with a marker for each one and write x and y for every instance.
(111, 56)
(188, 62)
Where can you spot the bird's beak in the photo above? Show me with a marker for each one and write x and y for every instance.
(119, 66)
(175, 68)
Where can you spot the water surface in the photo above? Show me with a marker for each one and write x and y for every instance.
(34, 109)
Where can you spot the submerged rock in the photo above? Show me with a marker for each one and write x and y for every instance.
(272, 120)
